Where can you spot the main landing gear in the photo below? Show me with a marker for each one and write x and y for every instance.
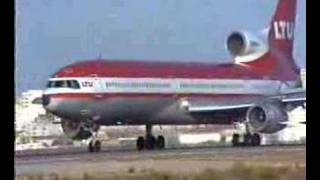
(150, 142)
(248, 138)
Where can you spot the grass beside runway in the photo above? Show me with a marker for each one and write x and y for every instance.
(238, 171)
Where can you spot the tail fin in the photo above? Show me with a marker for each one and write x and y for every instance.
(281, 34)
(279, 63)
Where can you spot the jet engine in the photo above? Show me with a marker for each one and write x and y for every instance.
(267, 117)
(245, 46)
(75, 130)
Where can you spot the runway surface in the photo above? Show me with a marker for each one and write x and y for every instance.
(182, 159)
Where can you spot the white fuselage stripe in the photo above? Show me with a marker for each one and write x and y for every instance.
(170, 85)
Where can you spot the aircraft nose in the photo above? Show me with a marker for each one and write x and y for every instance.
(48, 103)
(51, 104)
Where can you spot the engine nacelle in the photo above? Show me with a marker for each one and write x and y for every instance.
(267, 117)
(245, 47)
(75, 130)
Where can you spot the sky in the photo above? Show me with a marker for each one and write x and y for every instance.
(51, 34)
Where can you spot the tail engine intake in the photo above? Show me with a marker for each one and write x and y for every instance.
(245, 47)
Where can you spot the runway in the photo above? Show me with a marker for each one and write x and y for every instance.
(179, 159)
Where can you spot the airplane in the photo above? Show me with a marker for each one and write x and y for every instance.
(257, 90)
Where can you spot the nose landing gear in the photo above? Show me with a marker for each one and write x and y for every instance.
(94, 144)
(150, 142)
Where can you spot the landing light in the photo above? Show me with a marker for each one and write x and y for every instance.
(184, 104)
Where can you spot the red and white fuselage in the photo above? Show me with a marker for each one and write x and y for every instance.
(110, 92)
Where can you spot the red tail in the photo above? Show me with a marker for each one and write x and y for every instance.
(279, 63)
(281, 35)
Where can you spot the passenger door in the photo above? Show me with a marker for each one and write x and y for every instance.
(98, 87)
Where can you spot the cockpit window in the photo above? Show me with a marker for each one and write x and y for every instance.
(63, 84)
(60, 84)
(73, 84)
(50, 84)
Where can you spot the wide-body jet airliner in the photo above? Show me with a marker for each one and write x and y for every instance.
(258, 89)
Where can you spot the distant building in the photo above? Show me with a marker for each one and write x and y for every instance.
(28, 107)
(31, 120)
(30, 97)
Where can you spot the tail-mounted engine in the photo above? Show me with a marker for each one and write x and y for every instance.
(245, 47)
(267, 117)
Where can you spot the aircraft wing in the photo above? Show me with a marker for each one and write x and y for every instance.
(219, 104)
(200, 108)
(295, 96)
(230, 104)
